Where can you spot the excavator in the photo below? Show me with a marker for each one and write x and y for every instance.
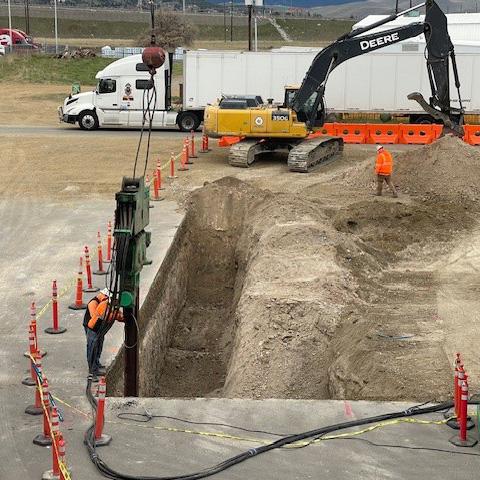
(271, 128)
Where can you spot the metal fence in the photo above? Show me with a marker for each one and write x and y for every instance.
(121, 52)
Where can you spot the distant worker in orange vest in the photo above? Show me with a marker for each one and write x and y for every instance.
(93, 320)
(383, 169)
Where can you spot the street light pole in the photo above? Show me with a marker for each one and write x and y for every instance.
(10, 26)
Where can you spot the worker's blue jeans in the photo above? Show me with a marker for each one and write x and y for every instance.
(93, 351)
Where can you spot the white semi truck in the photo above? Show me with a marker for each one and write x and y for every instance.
(377, 82)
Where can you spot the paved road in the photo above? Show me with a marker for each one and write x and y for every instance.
(40, 241)
(23, 130)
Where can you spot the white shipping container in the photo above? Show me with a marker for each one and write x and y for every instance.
(375, 82)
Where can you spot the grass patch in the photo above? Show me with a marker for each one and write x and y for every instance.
(177, 68)
(315, 30)
(46, 69)
(303, 30)
(265, 31)
(41, 27)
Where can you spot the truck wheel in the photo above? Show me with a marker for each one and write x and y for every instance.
(422, 119)
(385, 117)
(425, 120)
(88, 120)
(188, 121)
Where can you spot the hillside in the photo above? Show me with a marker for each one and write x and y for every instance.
(98, 27)
(360, 9)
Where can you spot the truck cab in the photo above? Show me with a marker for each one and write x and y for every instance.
(18, 39)
(121, 93)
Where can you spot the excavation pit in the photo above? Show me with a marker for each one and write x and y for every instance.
(287, 294)
(242, 305)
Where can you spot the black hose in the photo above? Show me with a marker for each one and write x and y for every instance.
(108, 472)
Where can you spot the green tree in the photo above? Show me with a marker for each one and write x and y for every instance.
(171, 30)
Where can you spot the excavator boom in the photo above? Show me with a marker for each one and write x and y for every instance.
(309, 99)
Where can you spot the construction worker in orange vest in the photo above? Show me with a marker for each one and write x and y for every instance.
(93, 320)
(383, 169)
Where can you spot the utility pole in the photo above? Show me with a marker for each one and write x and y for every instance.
(27, 17)
(231, 20)
(249, 6)
(56, 28)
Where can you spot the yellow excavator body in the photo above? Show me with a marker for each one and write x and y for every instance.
(267, 128)
(256, 122)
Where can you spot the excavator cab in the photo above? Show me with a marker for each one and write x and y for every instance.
(290, 92)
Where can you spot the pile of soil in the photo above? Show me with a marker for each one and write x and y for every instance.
(447, 168)
(391, 227)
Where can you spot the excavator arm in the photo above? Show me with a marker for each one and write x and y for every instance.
(309, 104)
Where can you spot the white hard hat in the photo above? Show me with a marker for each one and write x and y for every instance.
(106, 292)
(379, 147)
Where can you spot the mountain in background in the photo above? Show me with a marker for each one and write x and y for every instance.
(367, 7)
(360, 9)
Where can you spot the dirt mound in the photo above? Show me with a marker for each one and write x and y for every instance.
(446, 168)
(390, 227)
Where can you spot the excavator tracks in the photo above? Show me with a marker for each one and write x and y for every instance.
(303, 155)
(242, 154)
(312, 152)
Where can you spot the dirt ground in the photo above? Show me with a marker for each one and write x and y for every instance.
(331, 292)
(66, 167)
(32, 104)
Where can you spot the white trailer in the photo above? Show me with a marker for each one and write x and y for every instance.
(380, 82)
(375, 82)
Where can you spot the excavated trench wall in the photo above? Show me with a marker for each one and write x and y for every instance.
(187, 327)
(161, 306)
